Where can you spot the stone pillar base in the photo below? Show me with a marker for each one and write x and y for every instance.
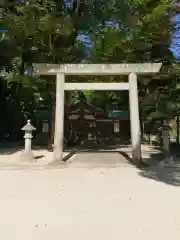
(27, 157)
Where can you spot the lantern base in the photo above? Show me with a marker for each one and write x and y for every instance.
(27, 157)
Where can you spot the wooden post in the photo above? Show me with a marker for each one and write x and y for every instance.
(134, 117)
(177, 131)
(59, 118)
(166, 145)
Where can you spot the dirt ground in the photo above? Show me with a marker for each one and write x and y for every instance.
(96, 196)
(11, 158)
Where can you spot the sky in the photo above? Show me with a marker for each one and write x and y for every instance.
(175, 47)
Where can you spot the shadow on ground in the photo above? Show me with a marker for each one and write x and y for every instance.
(169, 174)
(151, 169)
(152, 159)
(8, 148)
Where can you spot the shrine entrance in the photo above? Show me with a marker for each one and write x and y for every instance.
(132, 70)
(95, 125)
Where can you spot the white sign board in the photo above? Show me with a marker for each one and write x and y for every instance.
(45, 127)
(116, 126)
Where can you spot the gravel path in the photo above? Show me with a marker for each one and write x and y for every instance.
(87, 204)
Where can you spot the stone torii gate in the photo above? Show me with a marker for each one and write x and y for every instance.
(132, 70)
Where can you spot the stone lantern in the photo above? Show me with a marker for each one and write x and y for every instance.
(28, 128)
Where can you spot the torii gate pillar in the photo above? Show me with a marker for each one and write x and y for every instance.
(134, 117)
(59, 118)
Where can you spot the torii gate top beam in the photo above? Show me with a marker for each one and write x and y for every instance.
(96, 69)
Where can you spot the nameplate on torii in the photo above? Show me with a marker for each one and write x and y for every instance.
(96, 69)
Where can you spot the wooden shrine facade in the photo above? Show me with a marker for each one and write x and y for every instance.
(94, 123)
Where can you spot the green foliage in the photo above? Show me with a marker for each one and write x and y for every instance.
(120, 32)
(143, 33)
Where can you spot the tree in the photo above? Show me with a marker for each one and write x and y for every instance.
(119, 31)
(50, 36)
(143, 34)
